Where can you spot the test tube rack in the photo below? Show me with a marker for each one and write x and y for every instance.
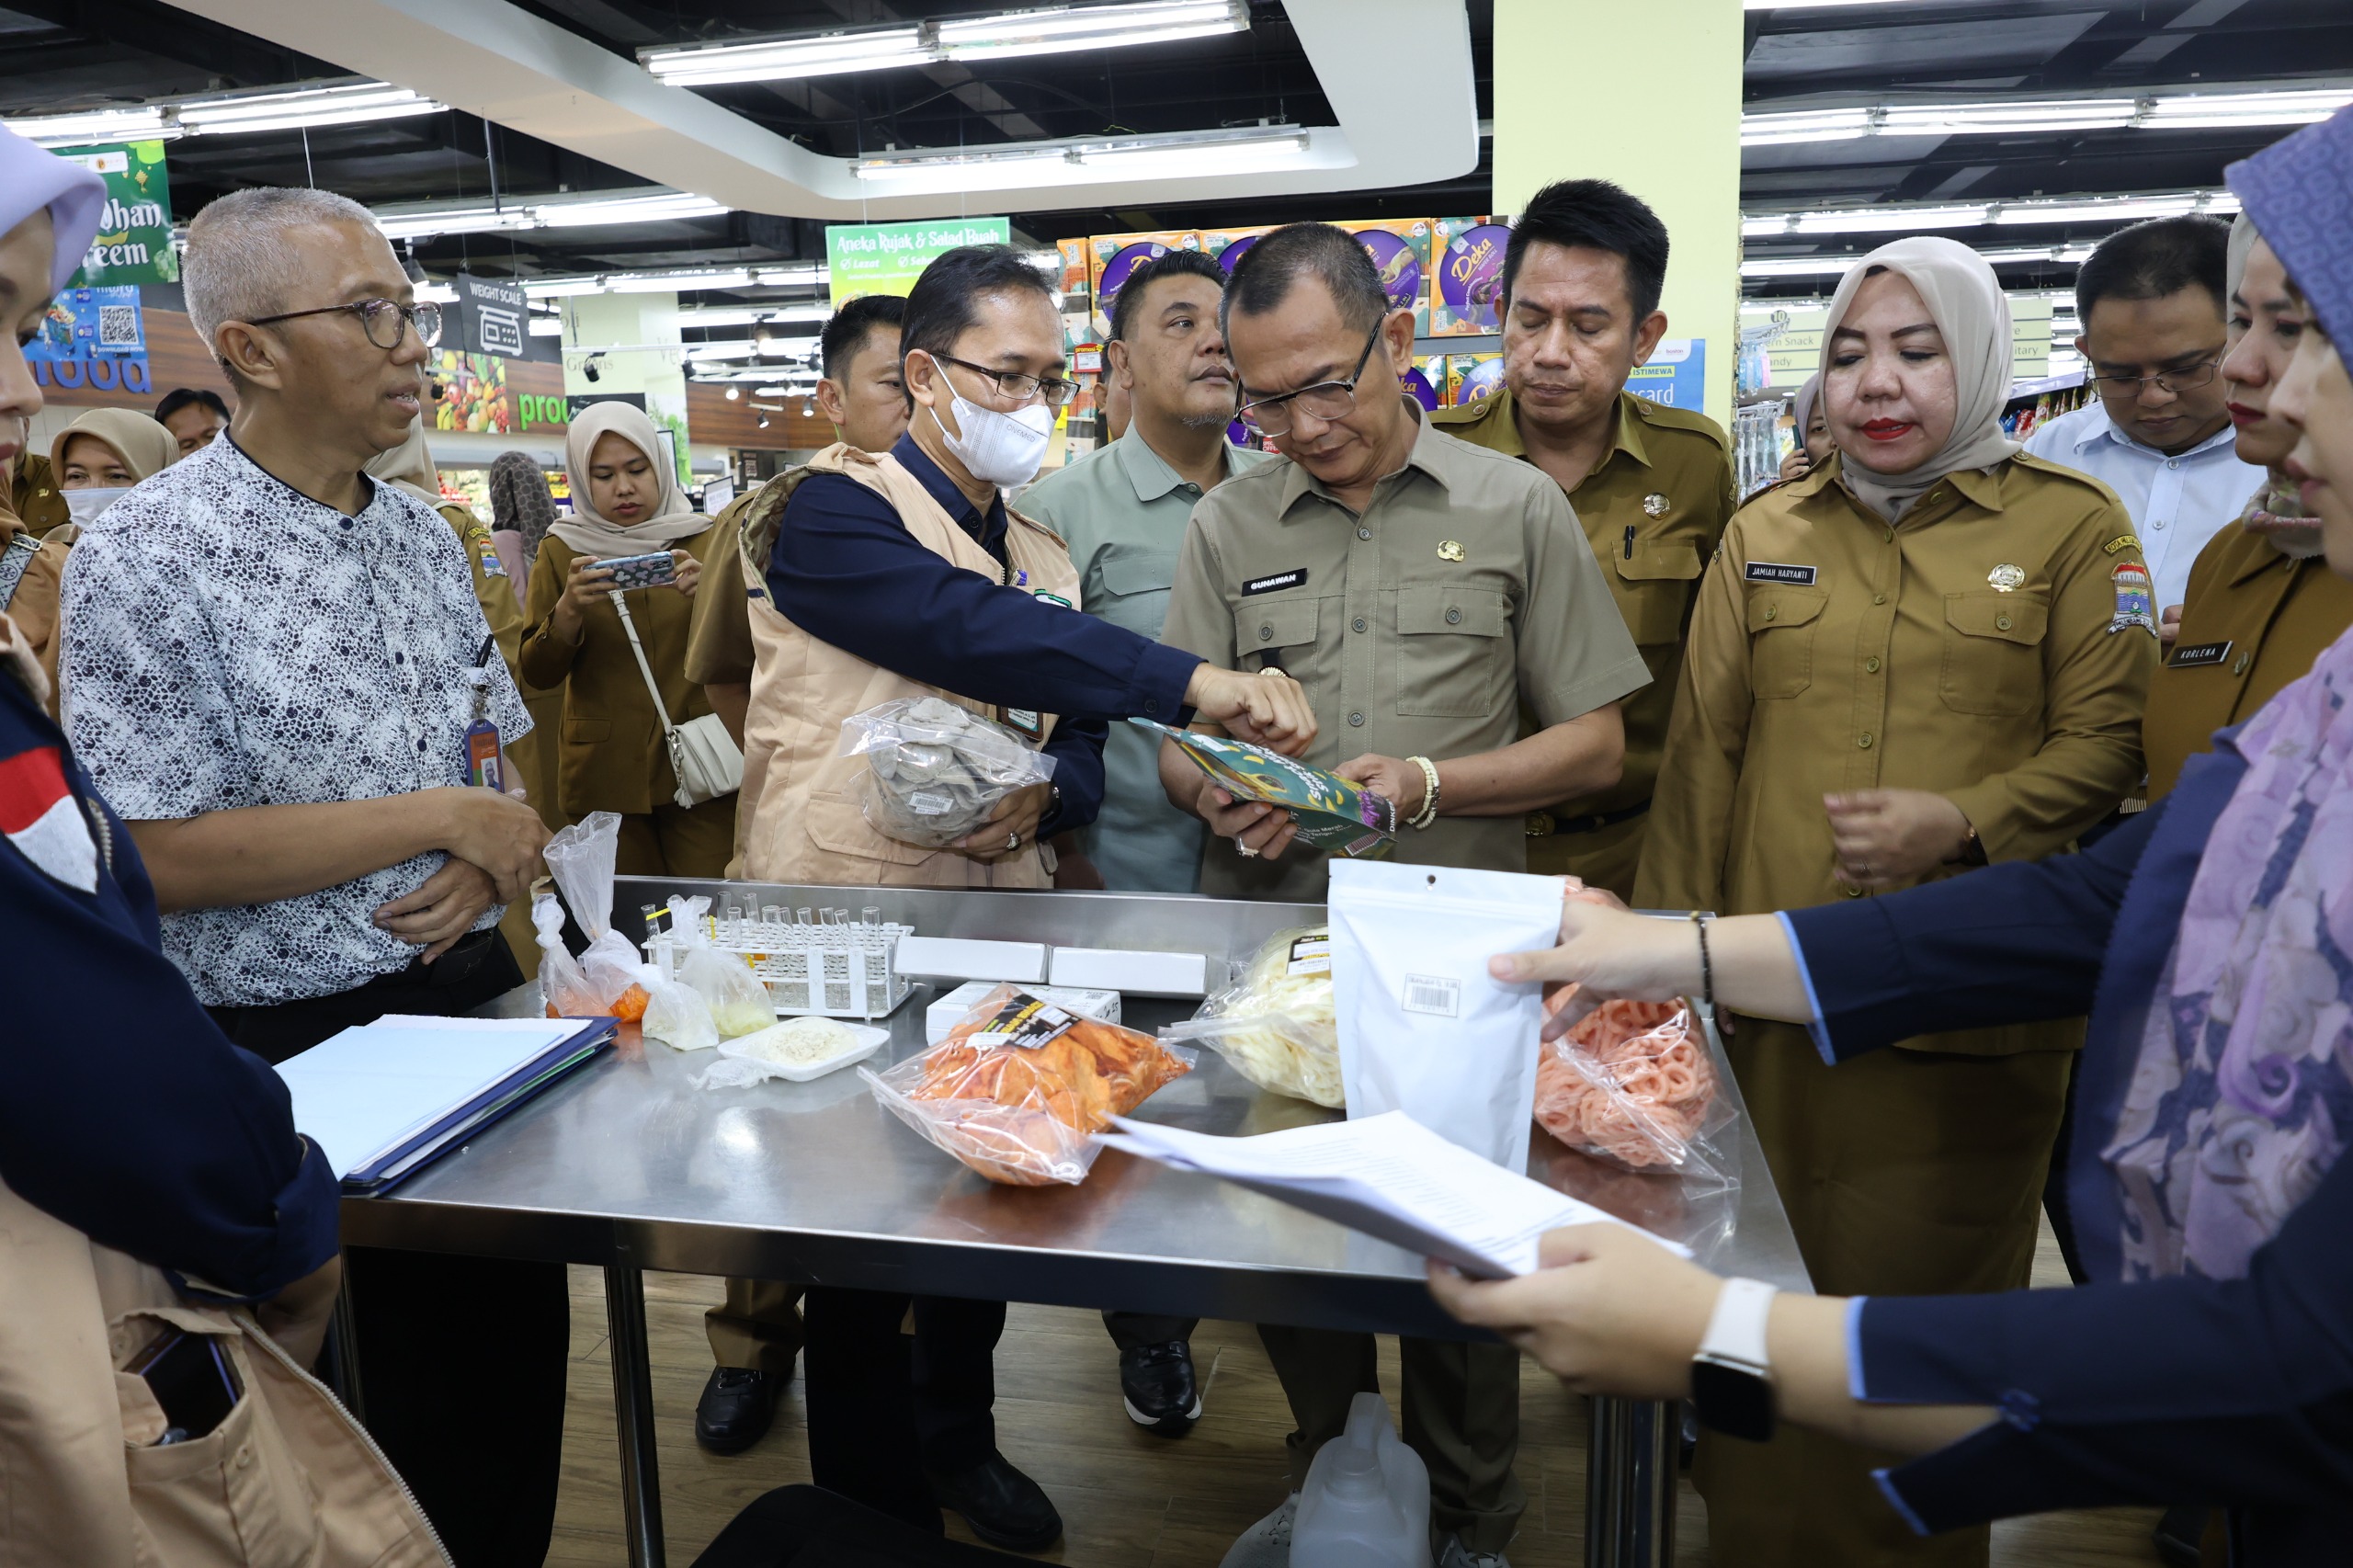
(817, 962)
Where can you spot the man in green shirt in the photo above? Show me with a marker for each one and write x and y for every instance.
(1652, 485)
(1122, 510)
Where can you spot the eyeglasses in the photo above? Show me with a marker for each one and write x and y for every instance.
(383, 320)
(1017, 388)
(1325, 400)
(2190, 379)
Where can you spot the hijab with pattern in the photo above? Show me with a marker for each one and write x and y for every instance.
(519, 501)
(1965, 300)
(141, 445)
(590, 534)
(33, 178)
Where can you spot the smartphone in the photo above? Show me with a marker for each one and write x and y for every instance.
(654, 571)
(191, 1377)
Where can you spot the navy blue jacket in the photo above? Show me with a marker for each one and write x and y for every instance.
(125, 1112)
(846, 570)
(2237, 1393)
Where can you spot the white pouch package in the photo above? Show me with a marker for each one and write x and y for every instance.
(1423, 1027)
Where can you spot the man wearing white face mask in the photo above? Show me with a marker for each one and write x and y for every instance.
(904, 574)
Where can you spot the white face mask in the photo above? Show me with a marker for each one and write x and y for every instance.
(997, 449)
(86, 504)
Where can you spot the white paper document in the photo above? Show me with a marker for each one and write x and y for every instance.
(367, 1090)
(1389, 1176)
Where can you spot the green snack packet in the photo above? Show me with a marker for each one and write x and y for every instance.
(1333, 813)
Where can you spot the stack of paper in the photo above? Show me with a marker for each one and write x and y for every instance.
(1389, 1176)
(383, 1100)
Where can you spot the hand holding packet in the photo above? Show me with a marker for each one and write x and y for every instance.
(1333, 814)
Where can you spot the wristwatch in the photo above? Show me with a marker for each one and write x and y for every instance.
(1732, 1379)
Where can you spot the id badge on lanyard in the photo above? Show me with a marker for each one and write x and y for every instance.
(1026, 722)
(485, 763)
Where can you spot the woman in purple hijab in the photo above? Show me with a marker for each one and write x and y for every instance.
(2211, 941)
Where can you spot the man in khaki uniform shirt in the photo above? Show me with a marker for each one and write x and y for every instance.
(1421, 591)
(1652, 485)
(1992, 648)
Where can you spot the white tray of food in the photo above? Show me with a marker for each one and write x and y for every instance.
(801, 1049)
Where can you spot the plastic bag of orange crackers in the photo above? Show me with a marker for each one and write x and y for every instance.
(1019, 1087)
(1636, 1085)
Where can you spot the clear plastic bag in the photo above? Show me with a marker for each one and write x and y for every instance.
(677, 1014)
(608, 978)
(1018, 1090)
(936, 769)
(739, 1003)
(1637, 1085)
(1276, 1024)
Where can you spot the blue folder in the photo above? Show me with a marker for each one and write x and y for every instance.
(383, 1101)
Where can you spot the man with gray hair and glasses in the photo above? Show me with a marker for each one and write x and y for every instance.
(270, 666)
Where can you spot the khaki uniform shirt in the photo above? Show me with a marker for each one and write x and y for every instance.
(1463, 593)
(1831, 651)
(1123, 513)
(33, 496)
(609, 755)
(719, 648)
(2254, 621)
(1653, 509)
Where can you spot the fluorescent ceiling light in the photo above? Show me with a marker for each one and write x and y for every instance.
(1897, 218)
(1812, 5)
(672, 282)
(146, 124)
(2015, 116)
(1056, 30)
(1829, 265)
(307, 108)
(547, 326)
(1251, 149)
(650, 206)
(1062, 29)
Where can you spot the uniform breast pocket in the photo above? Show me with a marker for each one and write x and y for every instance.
(1453, 653)
(1993, 664)
(1654, 589)
(1782, 621)
(1267, 634)
(1135, 587)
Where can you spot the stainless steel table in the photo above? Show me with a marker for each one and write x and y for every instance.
(630, 1167)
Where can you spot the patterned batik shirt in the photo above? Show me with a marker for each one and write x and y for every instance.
(229, 641)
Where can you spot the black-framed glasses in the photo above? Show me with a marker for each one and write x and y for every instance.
(1325, 400)
(2190, 380)
(1016, 387)
(383, 320)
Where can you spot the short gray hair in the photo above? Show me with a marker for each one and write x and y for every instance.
(239, 265)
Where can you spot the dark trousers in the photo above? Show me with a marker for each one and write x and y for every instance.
(804, 1526)
(884, 1407)
(1134, 1330)
(462, 1359)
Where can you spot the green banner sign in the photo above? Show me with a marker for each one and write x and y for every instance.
(135, 243)
(887, 259)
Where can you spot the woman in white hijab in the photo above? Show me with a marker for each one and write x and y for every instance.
(1929, 651)
(611, 755)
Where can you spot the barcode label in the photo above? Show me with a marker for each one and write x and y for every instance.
(1429, 994)
(118, 326)
(1310, 955)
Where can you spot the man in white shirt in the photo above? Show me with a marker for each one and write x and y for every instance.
(2151, 300)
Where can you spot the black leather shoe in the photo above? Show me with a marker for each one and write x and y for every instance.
(1157, 1381)
(1004, 1507)
(735, 1409)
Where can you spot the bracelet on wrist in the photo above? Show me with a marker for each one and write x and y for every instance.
(1428, 812)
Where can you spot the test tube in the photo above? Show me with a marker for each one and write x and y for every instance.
(806, 916)
(771, 916)
(869, 915)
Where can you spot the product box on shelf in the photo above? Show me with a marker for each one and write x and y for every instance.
(1399, 248)
(1111, 257)
(1465, 293)
(1470, 376)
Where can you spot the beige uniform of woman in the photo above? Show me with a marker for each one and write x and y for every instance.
(1976, 630)
(106, 449)
(611, 755)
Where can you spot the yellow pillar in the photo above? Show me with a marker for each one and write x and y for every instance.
(1647, 96)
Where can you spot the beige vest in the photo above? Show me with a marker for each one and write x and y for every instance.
(288, 1481)
(800, 800)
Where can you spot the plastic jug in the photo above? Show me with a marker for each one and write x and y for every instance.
(1366, 1501)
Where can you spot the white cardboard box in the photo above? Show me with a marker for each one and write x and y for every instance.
(948, 1011)
(964, 958)
(1143, 973)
